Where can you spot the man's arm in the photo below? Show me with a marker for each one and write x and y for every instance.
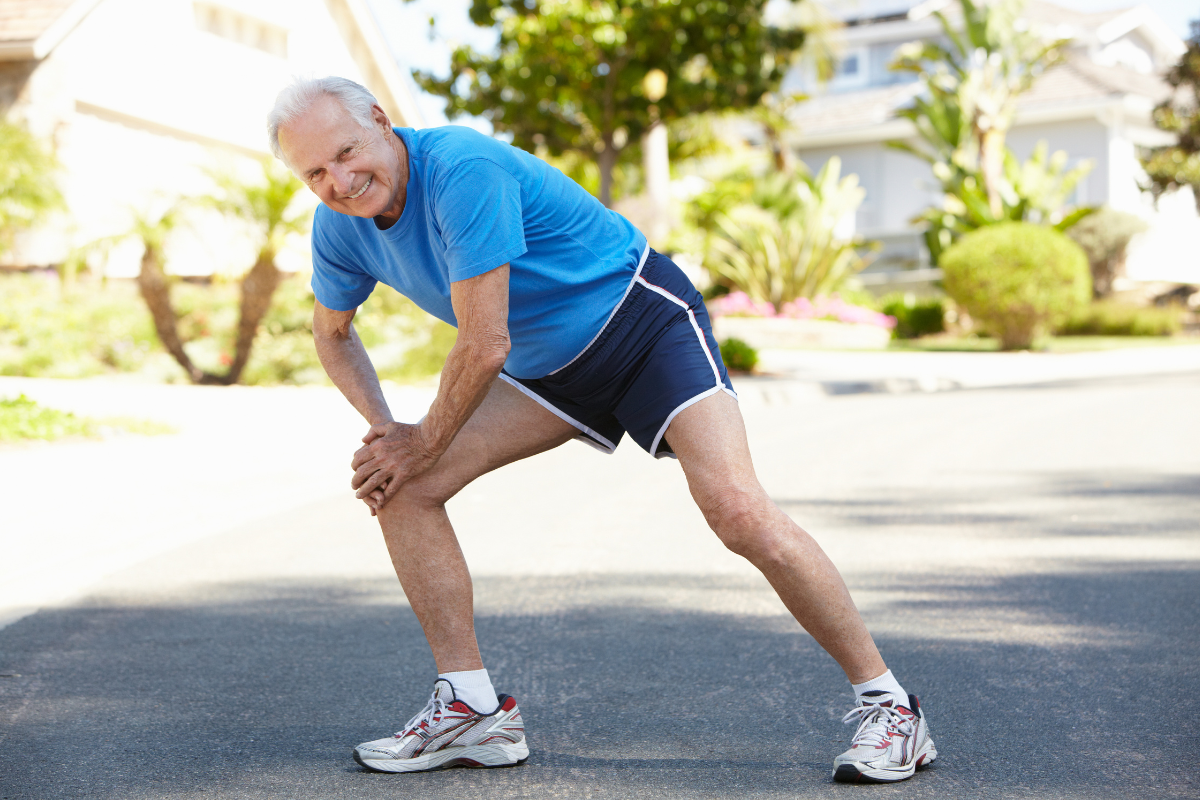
(395, 452)
(345, 361)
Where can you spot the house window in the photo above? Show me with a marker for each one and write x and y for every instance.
(852, 69)
(241, 28)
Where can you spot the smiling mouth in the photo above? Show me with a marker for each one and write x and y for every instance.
(359, 193)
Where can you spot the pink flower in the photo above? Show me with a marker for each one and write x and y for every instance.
(740, 304)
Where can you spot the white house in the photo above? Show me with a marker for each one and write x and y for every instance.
(140, 97)
(1096, 106)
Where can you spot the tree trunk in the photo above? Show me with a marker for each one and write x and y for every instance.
(152, 283)
(258, 287)
(991, 163)
(780, 153)
(606, 159)
(656, 167)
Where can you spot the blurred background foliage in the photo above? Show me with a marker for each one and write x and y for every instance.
(28, 192)
(579, 82)
(102, 327)
(1178, 166)
(963, 116)
(775, 237)
(590, 77)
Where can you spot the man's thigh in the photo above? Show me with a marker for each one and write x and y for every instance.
(709, 439)
(507, 427)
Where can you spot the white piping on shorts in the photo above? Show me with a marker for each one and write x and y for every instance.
(712, 362)
(597, 441)
(658, 438)
(691, 318)
(637, 274)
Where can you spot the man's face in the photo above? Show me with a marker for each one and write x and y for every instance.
(354, 170)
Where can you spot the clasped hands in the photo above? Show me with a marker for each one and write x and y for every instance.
(392, 453)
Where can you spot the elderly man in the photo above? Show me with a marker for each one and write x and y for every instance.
(569, 327)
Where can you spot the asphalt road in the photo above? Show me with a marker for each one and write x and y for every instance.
(1028, 558)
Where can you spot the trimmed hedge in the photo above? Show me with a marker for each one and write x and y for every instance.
(1107, 318)
(916, 318)
(738, 356)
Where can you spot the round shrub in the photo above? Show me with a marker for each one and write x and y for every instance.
(1018, 279)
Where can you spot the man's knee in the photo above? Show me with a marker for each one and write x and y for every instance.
(741, 518)
(428, 491)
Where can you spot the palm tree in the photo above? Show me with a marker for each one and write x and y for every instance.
(266, 206)
(973, 86)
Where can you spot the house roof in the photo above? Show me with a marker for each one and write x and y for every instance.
(1099, 27)
(25, 20)
(1083, 80)
(29, 29)
(1077, 82)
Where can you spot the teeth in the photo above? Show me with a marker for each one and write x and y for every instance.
(359, 193)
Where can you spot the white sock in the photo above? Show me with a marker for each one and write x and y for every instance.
(884, 683)
(474, 688)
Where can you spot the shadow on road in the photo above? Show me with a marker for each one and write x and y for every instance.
(260, 690)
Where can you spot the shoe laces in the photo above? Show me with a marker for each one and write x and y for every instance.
(433, 712)
(877, 724)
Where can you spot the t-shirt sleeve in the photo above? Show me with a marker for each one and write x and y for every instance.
(478, 209)
(336, 282)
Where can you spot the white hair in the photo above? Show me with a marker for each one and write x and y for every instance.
(293, 101)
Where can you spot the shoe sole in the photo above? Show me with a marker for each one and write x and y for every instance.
(858, 772)
(481, 755)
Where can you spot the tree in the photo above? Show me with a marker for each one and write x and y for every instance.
(963, 116)
(1178, 166)
(265, 205)
(27, 189)
(973, 86)
(580, 76)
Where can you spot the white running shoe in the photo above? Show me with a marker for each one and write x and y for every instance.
(892, 740)
(449, 733)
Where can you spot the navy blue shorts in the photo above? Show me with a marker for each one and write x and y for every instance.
(653, 358)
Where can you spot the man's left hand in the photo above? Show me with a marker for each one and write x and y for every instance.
(392, 453)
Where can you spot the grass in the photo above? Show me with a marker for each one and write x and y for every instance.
(1056, 344)
(22, 419)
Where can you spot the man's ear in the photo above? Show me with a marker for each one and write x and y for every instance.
(381, 118)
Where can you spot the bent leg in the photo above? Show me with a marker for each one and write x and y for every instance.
(506, 427)
(709, 439)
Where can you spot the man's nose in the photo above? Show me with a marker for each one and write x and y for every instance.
(342, 178)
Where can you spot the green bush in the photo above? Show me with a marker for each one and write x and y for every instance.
(1107, 318)
(738, 356)
(915, 318)
(1018, 279)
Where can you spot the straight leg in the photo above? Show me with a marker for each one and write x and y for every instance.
(506, 427)
(710, 440)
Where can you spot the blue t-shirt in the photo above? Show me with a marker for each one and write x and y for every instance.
(473, 204)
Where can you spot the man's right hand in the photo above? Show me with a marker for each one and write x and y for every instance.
(392, 453)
